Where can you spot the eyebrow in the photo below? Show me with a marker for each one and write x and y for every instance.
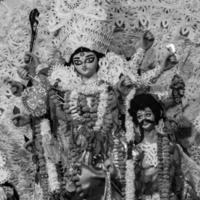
(90, 55)
(76, 58)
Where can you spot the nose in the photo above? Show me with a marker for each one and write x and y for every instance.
(84, 64)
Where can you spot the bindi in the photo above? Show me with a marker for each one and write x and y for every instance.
(82, 54)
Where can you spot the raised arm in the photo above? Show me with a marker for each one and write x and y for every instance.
(176, 94)
(146, 43)
(152, 75)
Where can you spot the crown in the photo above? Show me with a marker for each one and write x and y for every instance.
(81, 24)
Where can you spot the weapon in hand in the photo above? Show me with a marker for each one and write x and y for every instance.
(34, 14)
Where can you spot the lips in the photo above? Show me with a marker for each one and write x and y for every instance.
(146, 123)
(84, 68)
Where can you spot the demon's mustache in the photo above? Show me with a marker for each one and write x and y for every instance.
(146, 120)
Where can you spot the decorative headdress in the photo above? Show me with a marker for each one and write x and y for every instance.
(80, 24)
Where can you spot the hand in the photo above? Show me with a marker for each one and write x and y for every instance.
(160, 127)
(16, 88)
(109, 166)
(21, 120)
(164, 128)
(78, 186)
(178, 88)
(147, 40)
(54, 97)
(125, 84)
(170, 62)
(23, 73)
(126, 81)
(2, 194)
(58, 105)
(32, 61)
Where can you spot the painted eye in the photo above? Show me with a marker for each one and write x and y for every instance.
(148, 114)
(90, 60)
(78, 62)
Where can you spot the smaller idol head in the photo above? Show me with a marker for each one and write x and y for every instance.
(85, 61)
(146, 111)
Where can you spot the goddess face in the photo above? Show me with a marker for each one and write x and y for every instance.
(86, 63)
(146, 119)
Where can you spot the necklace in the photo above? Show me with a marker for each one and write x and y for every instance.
(150, 154)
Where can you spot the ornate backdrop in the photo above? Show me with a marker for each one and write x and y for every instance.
(171, 21)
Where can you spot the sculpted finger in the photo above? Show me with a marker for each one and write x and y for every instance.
(75, 178)
(77, 183)
(27, 58)
(79, 189)
(81, 194)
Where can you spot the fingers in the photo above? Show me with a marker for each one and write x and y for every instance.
(109, 166)
(27, 58)
(78, 185)
(126, 81)
(22, 73)
(30, 56)
(16, 88)
(15, 120)
(173, 59)
(148, 36)
(177, 83)
(19, 120)
(75, 179)
(107, 163)
(170, 61)
(54, 97)
(2, 194)
(148, 40)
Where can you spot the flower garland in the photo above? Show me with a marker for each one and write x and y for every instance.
(88, 111)
(39, 156)
(76, 103)
(50, 166)
(47, 170)
(130, 163)
(108, 190)
(5, 173)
